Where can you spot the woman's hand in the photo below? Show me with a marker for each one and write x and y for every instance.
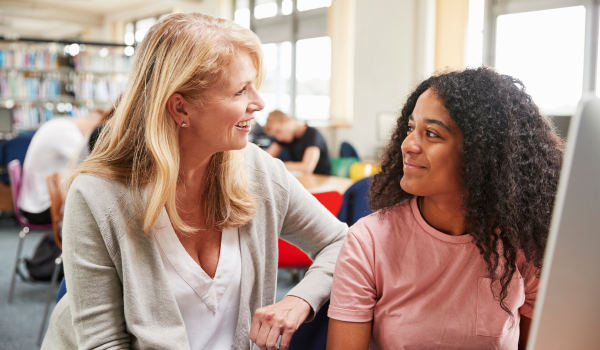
(282, 318)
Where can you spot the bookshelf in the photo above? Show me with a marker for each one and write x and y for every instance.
(40, 79)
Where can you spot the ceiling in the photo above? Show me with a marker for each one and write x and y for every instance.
(64, 19)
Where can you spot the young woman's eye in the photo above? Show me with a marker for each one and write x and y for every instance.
(410, 129)
(241, 92)
(431, 134)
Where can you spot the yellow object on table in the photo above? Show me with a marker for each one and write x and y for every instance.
(359, 171)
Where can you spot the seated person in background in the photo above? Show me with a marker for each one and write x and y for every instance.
(451, 260)
(306, 145)
(89, 141)
(50, 150)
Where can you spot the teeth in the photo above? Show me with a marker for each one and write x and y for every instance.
(242, 124)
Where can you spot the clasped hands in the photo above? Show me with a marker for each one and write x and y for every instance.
(282, 318)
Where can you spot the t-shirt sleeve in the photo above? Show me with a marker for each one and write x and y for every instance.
(531, 282)
(353, 294)
(311, 138)
(69, 142)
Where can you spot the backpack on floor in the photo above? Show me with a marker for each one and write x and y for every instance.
(41, 265)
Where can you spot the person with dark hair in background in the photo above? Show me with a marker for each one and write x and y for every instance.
(306, 146)
(465, 196)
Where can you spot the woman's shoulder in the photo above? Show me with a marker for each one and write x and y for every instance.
(263, 169)
(98, 186)
(100, 194)
(381, 224)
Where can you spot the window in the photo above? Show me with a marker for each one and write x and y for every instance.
(544, 45)
(313, 70)
(242, 13)
(265, 8)
(275, 90)
(304, 5)
(545, 50)
(297, 54)
(135, 31)
(474, 45)
(142, 27)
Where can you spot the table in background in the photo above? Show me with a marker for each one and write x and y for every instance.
(316, 183)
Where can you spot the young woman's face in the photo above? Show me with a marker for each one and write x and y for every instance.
(432, 150)
(223, 123)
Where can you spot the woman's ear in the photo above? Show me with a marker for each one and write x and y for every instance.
(180, 109)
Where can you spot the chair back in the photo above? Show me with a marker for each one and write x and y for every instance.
(62, 290)
(332, 200)
(284, 155)
(355, 205)
(14, 149)
(14, 174)
(347, 150)
(291, 257)
(341, 166)
(56, 203)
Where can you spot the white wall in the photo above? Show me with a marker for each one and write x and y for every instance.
(385, 68)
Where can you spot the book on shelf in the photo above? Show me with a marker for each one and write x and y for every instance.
(39, 80)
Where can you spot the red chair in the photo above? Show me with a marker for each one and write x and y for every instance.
(290, 256)
(331, 200)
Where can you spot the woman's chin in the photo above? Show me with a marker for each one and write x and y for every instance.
(238, 145)
(411, 187)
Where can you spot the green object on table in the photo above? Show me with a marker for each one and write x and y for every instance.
(341, 166)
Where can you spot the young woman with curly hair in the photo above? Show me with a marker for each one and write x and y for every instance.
(452, 257)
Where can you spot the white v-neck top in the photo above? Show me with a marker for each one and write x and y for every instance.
(209, 307)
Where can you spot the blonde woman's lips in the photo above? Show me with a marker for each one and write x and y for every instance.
(244, 126)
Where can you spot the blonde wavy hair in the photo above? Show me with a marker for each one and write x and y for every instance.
(186, 54)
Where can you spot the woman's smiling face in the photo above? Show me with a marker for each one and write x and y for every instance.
(431, 152)
(223, 123)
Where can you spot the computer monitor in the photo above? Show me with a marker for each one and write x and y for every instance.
(567, 311)
(5, 121)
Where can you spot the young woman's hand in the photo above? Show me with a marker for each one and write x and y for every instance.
(282, 318)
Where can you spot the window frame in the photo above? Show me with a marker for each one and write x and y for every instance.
(134, 23)
(495, 8)
(298, 25)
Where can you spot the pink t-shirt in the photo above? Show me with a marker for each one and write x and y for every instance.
(422, 288)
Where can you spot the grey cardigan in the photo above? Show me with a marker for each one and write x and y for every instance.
(118, 294)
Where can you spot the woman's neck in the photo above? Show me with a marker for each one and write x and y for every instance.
(193, 165)
(443, 213)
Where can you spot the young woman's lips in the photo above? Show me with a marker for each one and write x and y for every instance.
(410, 165)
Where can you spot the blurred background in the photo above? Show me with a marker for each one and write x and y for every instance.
(342, 66)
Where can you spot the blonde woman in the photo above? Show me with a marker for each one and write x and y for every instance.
(171, 225)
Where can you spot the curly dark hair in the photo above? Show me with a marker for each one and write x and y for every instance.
(511, 160)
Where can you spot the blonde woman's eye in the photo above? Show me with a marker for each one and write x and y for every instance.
(241, 92)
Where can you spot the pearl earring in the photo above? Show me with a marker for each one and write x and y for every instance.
(183, 124)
